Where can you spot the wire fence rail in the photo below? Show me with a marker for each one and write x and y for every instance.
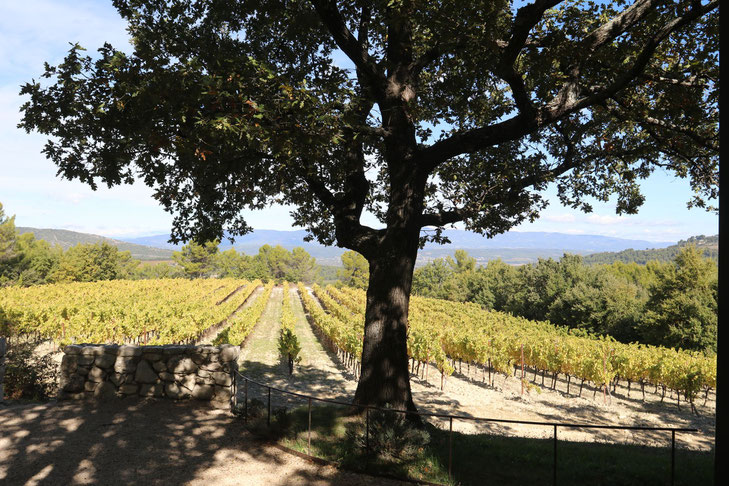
(450, 418)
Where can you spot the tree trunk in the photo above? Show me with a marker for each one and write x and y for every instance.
(384, 379)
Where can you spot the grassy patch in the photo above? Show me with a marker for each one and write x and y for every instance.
(481, 458)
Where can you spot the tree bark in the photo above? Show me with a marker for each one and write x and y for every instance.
(385, 380)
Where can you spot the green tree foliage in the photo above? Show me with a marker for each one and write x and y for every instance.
(37, 263)
(271, 263)
(302, 267)
(667, 304)
(151, 271)
(8, 235)
(682, 309)
(445, 111)
(355, 271)
(23, 259)
(197, 260)
(88, 263)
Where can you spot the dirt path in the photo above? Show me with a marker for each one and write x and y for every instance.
(147, 442)
(317, 374)
(466, 395)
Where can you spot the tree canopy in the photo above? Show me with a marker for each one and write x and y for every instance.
(474, 105)
(355, 270)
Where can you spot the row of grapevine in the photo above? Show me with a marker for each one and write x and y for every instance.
(425, 340)
(501, 342)
(343, 336)
(245, 320)
(145, 312)
(288, 342)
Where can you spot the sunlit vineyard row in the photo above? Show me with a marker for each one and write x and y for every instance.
(244, 321)
(161, 311)
(441, 332)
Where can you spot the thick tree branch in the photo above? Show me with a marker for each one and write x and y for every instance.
(568, 101)
(443, 218)
(526, 18)
(350, 45)
(319, 189)
(616, 26)
(470, 141)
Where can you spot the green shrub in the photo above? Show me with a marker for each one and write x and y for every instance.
(391, 435)
(27, 375)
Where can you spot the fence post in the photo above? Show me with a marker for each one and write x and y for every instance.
(309, 437)
(450, 448)
(673, 456)
(246, 400)
(554, 468)
(268, 417)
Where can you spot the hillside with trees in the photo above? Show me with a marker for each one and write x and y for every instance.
(66, 239)
(27, 261)
(707, 245)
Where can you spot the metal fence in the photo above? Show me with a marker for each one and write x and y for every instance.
(450, 418)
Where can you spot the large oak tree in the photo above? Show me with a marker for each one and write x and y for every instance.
(422, 112)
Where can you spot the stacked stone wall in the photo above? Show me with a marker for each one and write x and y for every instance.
(172, 372)
(3, 351)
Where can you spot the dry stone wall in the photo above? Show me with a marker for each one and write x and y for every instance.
(3, 351)
(173, 372)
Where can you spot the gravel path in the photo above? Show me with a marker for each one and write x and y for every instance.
(150, 443)
(318, 373)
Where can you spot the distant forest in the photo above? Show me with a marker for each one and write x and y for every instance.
(708, 245)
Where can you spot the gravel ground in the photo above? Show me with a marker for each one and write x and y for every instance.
(147, 442)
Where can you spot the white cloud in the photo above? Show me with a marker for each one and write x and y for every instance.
(607, 219)
(560, 218)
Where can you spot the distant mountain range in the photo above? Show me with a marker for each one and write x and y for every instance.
(67, 239)
(514, 248)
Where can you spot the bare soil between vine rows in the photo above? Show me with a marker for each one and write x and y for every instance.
(466, 393)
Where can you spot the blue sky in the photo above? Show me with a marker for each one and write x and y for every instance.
(35, 31)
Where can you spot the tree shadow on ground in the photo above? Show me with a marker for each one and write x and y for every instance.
(144, 442)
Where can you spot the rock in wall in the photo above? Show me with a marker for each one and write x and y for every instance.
(173, 372)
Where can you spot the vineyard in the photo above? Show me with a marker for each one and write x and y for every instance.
(121, 311)
(447, 333)
(442, 333)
